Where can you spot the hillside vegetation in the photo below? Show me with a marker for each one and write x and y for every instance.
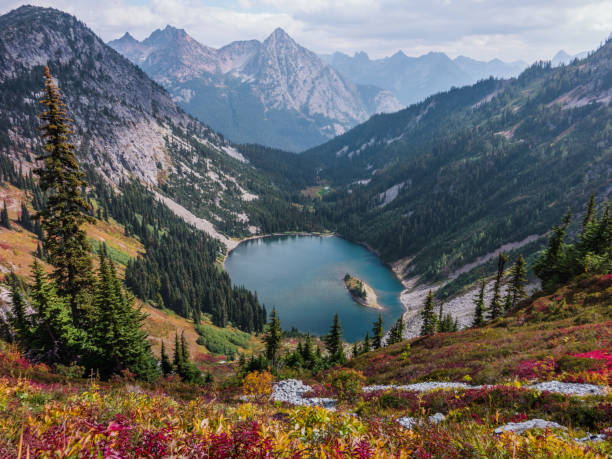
(535, 342)
(468, 170)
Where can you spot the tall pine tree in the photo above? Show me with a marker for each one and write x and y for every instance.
(118, 336)
(550, 266)
(516, 284)
(66, 210)
(54, 338)
(166, 365)
(397, 331)
(590, 212)
(495, 310)
(4, 217)
(366, 344)
(479, 306)
(378, 333)
(19, 319)
(273, 337)
(428, 316)
(333, 341)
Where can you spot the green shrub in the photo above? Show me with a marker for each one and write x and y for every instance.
(347, 384)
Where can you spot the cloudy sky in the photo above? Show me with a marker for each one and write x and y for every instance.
(483, 29)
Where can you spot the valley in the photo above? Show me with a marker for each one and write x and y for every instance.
(177, 281)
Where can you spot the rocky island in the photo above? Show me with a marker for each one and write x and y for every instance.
(361, 292)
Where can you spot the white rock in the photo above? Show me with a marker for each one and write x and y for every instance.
(410, 422)
(520, 427)
(595, 438)
(292, 391)
(569, 388)
(421, 387)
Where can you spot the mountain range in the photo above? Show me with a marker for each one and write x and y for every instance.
(412, 79)
(439, 185)
(274, 92)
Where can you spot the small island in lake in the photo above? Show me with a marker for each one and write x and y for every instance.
(361, 292)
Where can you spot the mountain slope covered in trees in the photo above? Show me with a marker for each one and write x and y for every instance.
(464, 172)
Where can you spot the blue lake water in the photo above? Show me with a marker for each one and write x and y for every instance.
(302, 276)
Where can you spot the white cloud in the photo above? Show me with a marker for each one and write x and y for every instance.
(510, 30)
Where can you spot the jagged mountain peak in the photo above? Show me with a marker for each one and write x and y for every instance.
(281, 40)
(127, 37)
(279, 34)
(398, 55)
(167, 35)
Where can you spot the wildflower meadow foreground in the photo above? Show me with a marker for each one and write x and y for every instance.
(44, 414)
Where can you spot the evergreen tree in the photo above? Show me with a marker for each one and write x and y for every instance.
(166, 365)
(396, 334)
(516, 285)
(593, 251)
(447, 324)
(495, 310)
(178, 354)
(188, 370)
(355, 349)
(19, 319)
(333, 341)
(550, 267)
(24, 218)
(54, 339)
(428, 316)
(307, 353)
(590, 212)
(184, 348)
(66, 210)
(4, 217)
(273, 337)
(378, 333)
(39, 252)
(118, 337)
(366, 344)
(479, 306)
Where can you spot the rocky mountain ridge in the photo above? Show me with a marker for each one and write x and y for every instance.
(412, 79)
(245, 87)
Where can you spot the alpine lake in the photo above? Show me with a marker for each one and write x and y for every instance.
(303, 278)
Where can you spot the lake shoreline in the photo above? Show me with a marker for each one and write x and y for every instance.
(263, 236)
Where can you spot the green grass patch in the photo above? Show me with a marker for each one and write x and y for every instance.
(222, 340)
(116, 255)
